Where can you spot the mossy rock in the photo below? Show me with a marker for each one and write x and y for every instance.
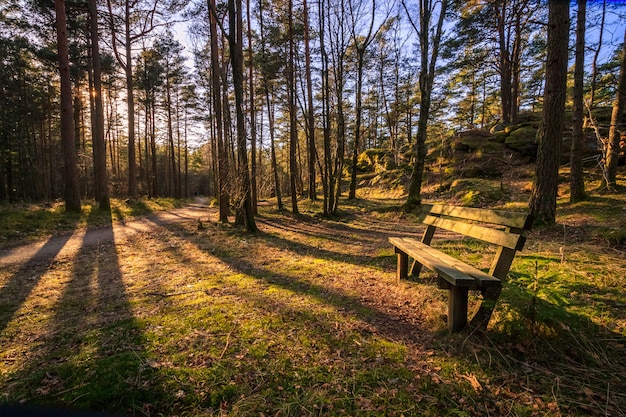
(523, 141)
(499, 137)
(529, 117)
(474, 141)
(375, 160)
(498, 128)
(482, 171)
(476, 192)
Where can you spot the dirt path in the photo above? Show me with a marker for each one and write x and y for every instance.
(66, 245)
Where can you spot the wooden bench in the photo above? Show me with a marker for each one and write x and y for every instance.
(503, 229)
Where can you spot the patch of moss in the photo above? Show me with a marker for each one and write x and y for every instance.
(523, 141)
(477, 192)
(375, 160)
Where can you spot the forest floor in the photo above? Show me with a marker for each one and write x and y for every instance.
(173, 313)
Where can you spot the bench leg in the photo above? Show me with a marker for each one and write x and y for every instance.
(416, 268)
(457, 308)
(488, 304)
(403, 264)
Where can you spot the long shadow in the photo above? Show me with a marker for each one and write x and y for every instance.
(299, 321)
(21, 284)
(93, 356)
(577, 362)
(402, 328)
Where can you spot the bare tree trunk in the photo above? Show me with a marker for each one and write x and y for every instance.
(613, 143)
(426, 80)
(577, 182)
(270, 118)
(504, 64)
(361, 47)
(550, 133)
(327, 172)
(293, 132)
(310, 110)
(130, 100)
(253, 138)
(235, 37)
(72, 189)
(99, 148)
(222, 157)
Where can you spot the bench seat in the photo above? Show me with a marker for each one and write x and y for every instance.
(502, 229)
(451, 269)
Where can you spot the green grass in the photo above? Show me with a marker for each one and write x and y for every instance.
(305, 319)
(21, 223)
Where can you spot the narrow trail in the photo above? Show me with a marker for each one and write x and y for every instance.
(66, 245)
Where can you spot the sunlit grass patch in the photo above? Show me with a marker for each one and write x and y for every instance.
(306, 318)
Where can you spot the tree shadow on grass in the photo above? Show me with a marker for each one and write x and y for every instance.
(585, 362)
(314, 340)
(240, 262)
(20, 285)
(92, 356)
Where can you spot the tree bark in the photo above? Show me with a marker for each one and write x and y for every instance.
(312, 154)
(99, 148)
(222, 156)
(426, 80)
(577, 183)
(550, 133)
(504, 65)
(70, 158)
(235, 38)
(253, 135)
(361, 48)
(293, 132)
(130, 101)
(617, 115)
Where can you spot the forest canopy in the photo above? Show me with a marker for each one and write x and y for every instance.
(262, 99)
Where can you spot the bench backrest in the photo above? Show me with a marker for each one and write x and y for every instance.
(507, 233)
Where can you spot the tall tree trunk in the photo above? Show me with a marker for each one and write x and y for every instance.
(312, 153)
(327, 172)
(293, 132)
(515, 69)
(357, 127)
(222, 156)
(504, 64)
(72, 189)
(253, 138)
(361, 47)
(170, 138)
(274, 163)
(270, 118)
(426, 80)
(577, 182)
(130, 101)
(235, 37)
(153, 152)
(613, 143)
(99, 147)
(550, 133)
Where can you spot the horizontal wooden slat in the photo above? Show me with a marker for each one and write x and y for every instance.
(483, 279)
(499, 217)
(494, 236)
(431, 260)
